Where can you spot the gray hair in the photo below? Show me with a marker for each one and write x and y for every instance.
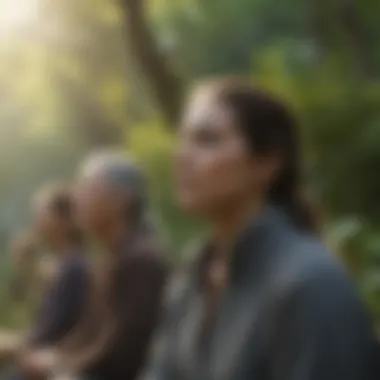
(123, 175)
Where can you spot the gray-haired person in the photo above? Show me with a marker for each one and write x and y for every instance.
(112, 338)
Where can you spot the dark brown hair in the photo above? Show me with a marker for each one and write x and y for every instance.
(60, 200)
(269, 127)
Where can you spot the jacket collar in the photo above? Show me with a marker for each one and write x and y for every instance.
(250, 246)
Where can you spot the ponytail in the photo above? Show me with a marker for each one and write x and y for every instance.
(287, 194)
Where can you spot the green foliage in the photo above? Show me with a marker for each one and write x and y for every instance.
(340, 121)
(219, 36)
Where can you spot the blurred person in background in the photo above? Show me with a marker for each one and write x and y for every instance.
(65, 293)
(263, 299)
(113, 336)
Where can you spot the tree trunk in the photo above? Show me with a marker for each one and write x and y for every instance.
(165, 85)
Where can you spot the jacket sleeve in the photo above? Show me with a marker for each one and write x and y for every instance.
(323, 332)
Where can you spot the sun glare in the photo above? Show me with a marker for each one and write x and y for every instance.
(17, 14)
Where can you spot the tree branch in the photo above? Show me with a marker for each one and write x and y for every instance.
(166, 86)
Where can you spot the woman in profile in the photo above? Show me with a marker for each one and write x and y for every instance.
(263, 299)
(65, 292)
(112, 339)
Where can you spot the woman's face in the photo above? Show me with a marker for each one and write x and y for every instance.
(215, 168)
(100, 208)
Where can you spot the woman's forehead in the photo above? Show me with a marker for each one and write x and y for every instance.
(205, 109)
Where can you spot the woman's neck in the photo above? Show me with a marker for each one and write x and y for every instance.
(231, 222)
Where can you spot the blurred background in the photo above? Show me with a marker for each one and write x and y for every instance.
(76, 76)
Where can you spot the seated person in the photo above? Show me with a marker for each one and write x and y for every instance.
(64, 297)
(111, 340)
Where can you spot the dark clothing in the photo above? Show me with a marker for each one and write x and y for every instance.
(289, 313)
(62, 302)
(134, 301)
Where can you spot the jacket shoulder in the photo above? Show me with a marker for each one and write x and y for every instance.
(306, 264)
